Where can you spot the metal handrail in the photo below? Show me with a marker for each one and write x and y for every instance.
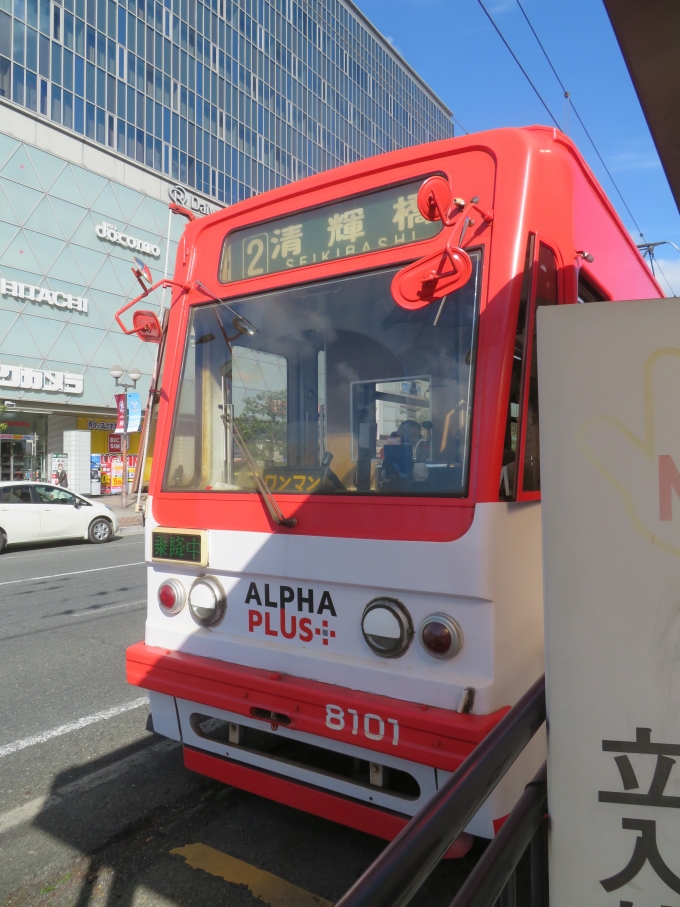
(404, 865)
(496, 866)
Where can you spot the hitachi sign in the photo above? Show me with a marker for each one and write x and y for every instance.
(39, 294)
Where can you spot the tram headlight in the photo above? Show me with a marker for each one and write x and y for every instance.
(207, 601)
(387, 627)
(441, 636)
(171, 596)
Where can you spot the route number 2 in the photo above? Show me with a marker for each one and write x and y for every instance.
(255, 248)
(373, 725)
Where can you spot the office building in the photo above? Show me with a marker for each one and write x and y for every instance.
(105, 106)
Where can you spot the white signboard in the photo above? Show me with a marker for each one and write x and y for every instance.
(38, 379)
(31, 293)
(111, 233)
(609, 383)
(181, 196)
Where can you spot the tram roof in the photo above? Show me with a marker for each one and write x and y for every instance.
(649, 36)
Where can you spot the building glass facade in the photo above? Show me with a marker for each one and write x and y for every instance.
(71, 220)
(111, 108)
(52, 255)
(229, 98)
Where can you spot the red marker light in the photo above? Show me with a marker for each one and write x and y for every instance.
(441, 636)
(171, 597)
(437, 637)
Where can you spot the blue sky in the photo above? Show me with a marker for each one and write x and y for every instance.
(454, 48)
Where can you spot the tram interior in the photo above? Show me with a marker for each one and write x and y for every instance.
(332, 387)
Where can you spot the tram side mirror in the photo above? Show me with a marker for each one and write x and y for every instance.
(146, 326)
(434, 198)
(431, 278)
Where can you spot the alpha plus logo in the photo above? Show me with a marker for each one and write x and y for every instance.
(291, 625)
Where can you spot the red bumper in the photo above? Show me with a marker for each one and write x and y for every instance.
(426, 735)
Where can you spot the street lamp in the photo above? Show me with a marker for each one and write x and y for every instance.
(134, 374)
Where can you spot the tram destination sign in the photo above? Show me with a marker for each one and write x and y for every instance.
(177, 546)
(350, 226)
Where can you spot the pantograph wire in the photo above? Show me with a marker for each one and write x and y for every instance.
(578, 117)
(516, 59)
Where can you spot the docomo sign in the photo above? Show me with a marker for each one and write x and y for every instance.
(39, 294)
(40, 380)
(112, 234)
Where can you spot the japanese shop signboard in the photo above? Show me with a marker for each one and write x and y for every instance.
(609, 378)
(351, 226)
(115, 443)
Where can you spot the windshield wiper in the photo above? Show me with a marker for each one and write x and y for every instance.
(240, 322)
(273, 508)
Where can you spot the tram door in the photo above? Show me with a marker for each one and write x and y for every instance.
(520, 474)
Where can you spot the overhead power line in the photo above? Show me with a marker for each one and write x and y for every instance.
(648, 250)
(673, 293)
(578, 117)
(460, 124)
(545, 52)
(515, 58)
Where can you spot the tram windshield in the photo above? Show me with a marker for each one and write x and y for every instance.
(332, 388)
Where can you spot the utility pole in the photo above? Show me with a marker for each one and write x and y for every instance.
(117, 372)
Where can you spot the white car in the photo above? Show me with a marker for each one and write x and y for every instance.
(38, 512)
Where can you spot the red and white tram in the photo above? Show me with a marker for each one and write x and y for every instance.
(344, 525)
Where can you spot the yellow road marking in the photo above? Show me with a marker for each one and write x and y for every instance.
(270, 888)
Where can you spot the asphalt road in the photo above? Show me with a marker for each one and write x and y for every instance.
(95, 809)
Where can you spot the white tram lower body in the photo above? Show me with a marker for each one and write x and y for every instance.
(290, 702)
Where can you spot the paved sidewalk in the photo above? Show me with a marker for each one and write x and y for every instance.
(129, 522)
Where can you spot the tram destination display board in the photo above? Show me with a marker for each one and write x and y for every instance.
(179, 546)
(347, 227)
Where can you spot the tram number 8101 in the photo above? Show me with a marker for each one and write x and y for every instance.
(373, 725)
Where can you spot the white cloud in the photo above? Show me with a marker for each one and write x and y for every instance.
(634, 160)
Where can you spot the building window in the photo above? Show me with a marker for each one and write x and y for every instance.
(56, 23)
(78, 115)
(89, 121)
(18, 85)
(68, 109)
(45, 16)
(56, 104)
